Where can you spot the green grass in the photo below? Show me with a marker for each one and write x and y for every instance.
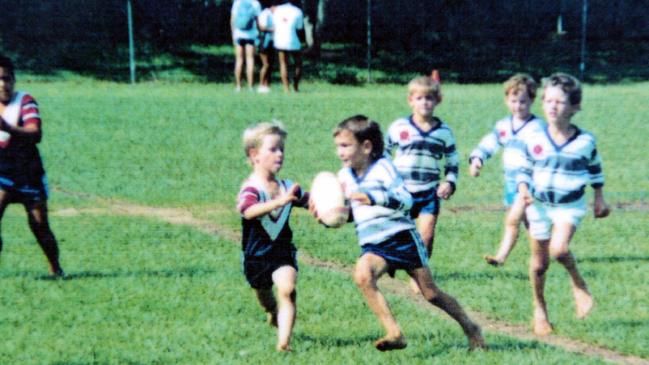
(145, 292)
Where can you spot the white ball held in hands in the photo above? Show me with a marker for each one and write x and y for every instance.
(329, 200)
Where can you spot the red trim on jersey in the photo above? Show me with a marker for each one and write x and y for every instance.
(29, 109)
(248, 197)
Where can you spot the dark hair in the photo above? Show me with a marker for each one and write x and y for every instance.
(569, 84)
(364, 129)
(5, 62)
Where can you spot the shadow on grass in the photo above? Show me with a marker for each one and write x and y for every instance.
(614, 259)
(183, 272)
(329, 341)
(463, 62)
(472, 276)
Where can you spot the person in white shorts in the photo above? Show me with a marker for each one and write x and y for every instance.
(556, 165)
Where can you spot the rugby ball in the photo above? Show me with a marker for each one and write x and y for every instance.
(328, 200)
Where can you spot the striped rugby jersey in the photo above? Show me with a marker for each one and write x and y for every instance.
(19, 155)
(559, 174)
(418, 154)
(391, 202)
(264, 235)
(503, 135)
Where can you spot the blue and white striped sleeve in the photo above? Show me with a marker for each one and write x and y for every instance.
(595, 172)
(452, 160)
(488, 146)
(522, 162)
(392, 192)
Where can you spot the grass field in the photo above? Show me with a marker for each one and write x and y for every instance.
(142, 290)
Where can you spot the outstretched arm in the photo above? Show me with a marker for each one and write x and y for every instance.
(259, 209)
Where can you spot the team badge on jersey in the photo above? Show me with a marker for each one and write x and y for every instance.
(404, 136)
(502, 133)
(538, 150)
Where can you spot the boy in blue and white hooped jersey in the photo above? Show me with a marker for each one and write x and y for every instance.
(520, 92)
(556, 165)
(420, 142)
(387, 234)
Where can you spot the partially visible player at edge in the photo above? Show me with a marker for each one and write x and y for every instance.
(387, 234)
(556, 165)
(265, 202)
(420, 142)
(520, 92)
(22, 176)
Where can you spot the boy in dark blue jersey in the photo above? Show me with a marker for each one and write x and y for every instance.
(22, 177)
(265, 202)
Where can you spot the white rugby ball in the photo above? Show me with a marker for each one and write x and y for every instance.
(329, 200)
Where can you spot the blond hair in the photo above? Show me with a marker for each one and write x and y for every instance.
(254, 136)
(426, 85)
(521, 82)
(568, 83)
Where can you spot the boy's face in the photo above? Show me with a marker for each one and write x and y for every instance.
(556, 106)
(350, 152)
(6, 86)
(422, 103)
(519, 104)
(269, 156)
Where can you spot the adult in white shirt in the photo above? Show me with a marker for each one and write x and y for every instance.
(243, 23)
(288, 28)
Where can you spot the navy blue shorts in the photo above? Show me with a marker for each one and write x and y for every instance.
(243, 42)
(26, 192)
(425, 203)
(403, 251)
(259, 270)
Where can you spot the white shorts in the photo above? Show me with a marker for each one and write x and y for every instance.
(543, 216)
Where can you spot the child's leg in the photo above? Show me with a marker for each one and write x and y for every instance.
(250, 64)
(369, 269)
(265, 68)
(426, 224)
(515, 214)
(561, 236)
(539, 262)
(448, 304)
(39, 224)
(297, 75)
(238, 65)
(283, 69)
(284, 279)
(267, 300)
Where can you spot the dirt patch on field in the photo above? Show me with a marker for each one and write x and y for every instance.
(184, 217)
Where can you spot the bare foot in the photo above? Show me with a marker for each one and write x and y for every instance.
(476, 341)
(583, 303)
(493, 261)
(414, 287)
(271, 319)
(283, 347)
(389, 344)
(541, 327)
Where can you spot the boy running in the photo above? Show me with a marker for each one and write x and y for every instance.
(420, 142)
(387, 235)
(556, 165)
(520, 91)
(22, 176)
(265, 202)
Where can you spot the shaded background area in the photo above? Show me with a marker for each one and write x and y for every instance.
(470, 41)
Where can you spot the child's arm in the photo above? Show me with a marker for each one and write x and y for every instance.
(394, 197)
(451, 170)
(488, 146)
(259, 209)
(600, 207)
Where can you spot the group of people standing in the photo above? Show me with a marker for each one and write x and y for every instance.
(278, 27)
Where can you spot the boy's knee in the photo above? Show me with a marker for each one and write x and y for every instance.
(362, 277)
(538, 267)
(559, 253)
(286, 291)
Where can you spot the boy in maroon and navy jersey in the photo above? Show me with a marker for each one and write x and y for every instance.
(22, 176)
